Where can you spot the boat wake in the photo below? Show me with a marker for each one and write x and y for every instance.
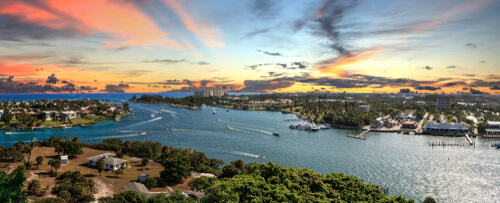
(20, 133)
(252, 129)
(183, 130)
(114, 136)
(247, 154)
(257, 131)
(129, 131)
(144, 122)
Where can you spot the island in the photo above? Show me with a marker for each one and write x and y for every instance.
(60, 113)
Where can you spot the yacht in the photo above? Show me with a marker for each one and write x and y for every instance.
(276, 134)
(229, 127)
(152, 115)
(142, 133)
(261, 157)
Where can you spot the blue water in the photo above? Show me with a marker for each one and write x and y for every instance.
(404, 163)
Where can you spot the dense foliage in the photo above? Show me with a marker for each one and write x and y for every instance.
(176, 168)
(73, 187)
(12, 186)
(274, 183)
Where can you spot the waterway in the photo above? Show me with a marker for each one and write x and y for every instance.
(404, 163)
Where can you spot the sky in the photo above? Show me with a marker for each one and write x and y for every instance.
(359, 46)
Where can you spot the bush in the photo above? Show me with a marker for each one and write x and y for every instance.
(145, 161)
(42, 193)
(429, 200)
(50, 200)
(151, 183)
(53, 174)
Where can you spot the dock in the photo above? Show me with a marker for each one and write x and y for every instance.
(468, 139)
(360, 135)
(443, 144)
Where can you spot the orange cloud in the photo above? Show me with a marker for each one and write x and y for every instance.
(208, 34)
(335, 69)
(124, 22)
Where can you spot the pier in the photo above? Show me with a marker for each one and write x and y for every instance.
(360, 135)
(468, 139)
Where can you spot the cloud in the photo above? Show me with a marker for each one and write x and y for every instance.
(473, 91)
(166, 61)
(206, 32)
(203, 63)
(427, 67)
(482, 62)
(88, 88)
(471, 45)
(428, 88)
(8, 85)
(450, 84)
(120, 88)
(265, 85)
(496, 87)
(270, 53)
(289, 66)
(257, 32)
(451, 66)
(52, 79)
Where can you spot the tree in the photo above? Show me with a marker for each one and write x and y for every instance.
(101, 165)
(176, 168)
(130, 196)
(429, 200)
(202, 183)
(51, 164)
(34, 186)
(145, 161)
(19, 146)
(65, 195)
(72, 148)
(12, 185)
(58, 149)
(150, 183)
(57, 164)
(28, 165)
(7, 117)
(39, 160)
(118, 172)
(127, 146)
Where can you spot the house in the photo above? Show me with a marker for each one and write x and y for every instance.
(493, 129)
(390, 123)
(138, 187)
(443, 102)
(64, 159)
(69, 114)
(409, 124)
(85, 112)
(143, 176)
(111, 163)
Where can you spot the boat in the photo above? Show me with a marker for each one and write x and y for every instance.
(276, 134)
(85, 125)
(66, 126)
(216, 119)
(227, 110)
(170, 129)
(119, 131)
(496, 145)
(214, 110)
(261, 157)
(229, 127)
(142, 133)
(293, 126)
(277, 126)
(8, 133)
(117, 119)
(152, 115)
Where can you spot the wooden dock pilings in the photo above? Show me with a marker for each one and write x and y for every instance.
(468, 139)
(443, 144)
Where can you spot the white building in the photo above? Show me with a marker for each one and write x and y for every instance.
(364, 108)
(69, 114)
(111, 163)
(448, 128)
(209, 93)
(64, 159)
(493, 129)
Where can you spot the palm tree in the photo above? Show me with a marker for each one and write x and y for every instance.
(127, 146)
(51, 163)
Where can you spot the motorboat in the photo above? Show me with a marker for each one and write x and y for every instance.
(496, 145)
(117, 119)
(142, 133)
(261, 157)
(152, 115)
(216, 119)
(293, 126)
(119, 131)
(8, 133)
(213, 110)
(229, 127)
(66, 126)
(170, 129)
(227, 110)
(276, 134)
(277, 126)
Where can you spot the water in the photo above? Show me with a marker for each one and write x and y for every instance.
(404, 163)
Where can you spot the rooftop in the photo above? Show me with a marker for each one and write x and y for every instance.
(138, 187)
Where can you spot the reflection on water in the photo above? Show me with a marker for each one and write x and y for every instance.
(404, 163)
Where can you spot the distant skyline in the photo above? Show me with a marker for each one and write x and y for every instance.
(362, 46)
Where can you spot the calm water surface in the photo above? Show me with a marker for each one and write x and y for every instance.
(404, 163)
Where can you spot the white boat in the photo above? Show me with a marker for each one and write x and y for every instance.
(117, 119)
(142, 133)
(152, 115)
(277, 126)
(261, 157)
(8, 133)
(170, 129)
(229, 127)
(66, 126)
(214, 110)
(276, 134)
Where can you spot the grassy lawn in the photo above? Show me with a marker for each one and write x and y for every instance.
(52, 123)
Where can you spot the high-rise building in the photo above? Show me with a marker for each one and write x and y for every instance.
(443, 102)
(209, 92)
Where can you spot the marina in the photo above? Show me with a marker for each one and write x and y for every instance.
(405, 163)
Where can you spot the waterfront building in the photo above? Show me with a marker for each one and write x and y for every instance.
(378, 123)
(443, 102)
(448, 128)
(209, 92)
(409, 124)
(69, 114)
(364, 108)
(493, 129)
(111, 163)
